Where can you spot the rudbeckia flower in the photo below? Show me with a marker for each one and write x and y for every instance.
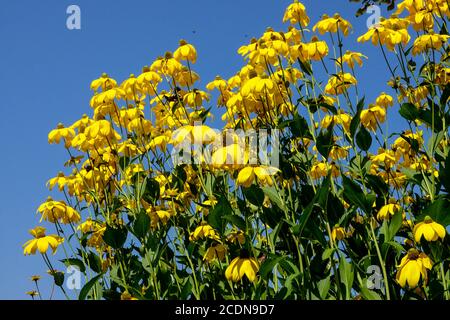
(412, 268)
(338, 83)
(204, 231)
(332, 24)
(338, 233)
(59, 133)
(373, 116)
(216, 251)
(241, 266)
(41, 242)
(350, 58)
(264, 174)
(387, 211)
(296, 13)
(429, 41)
(428, 229)
(185, 51)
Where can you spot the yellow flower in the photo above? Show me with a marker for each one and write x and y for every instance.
(328, 24)
(241, 266)
(264, 174)
(384, 100)
(350, 58)
(429, 41)
(412, 268)
(429, 229)
(53, 211)
(296, 13)
(236, 237)
(204, 231)
(216, 251)
(59, 133)
(388, 210)
(338, 233)
(371, 117)
(127, 296)
(229, 157)
(218, 83)
(35, 278)
(314, 50)
(319, 170)
(32, 293)
(339, 83)
(41, 242)
(185, 51)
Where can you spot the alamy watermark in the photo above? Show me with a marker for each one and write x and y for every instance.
(199, 144)
(73, 21)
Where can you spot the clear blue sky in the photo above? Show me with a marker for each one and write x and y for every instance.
(46, 70)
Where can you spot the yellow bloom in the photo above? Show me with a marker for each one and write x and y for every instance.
(384, 100)
(314, 50)
(339, 83)
(296, 13)
(338, 233)
(204, 231)
(412, 268)
(388, 210)
(319, 170)
(429, 229)
(429, 41)
(350, 58)
(241, 266)
(59, 133)
(264, 174)
(185, 51)
(53, 211)
(328, 24)
(216, 251)
(371, 117)
(41, 242)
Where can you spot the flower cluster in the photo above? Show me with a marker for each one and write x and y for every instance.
(345, 195)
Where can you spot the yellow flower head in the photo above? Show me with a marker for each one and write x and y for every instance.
(428, 229)
(185, 51)
(296, 13)
(241, 266)
(412, 268)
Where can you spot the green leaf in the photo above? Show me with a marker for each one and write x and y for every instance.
(324, 286)
(88, 286)
(221, 209)
(347, 276)
(151, 193)
(320, 199)
(438, 211)
(369, 294)
(235, 220)
(268, 266)
(409, 111)
(94, 262)
(363, 139)
(328, 253)
(141, 225)
(324, 141)
(354, 194)
(115, 238)
(275, 197)
(58, 277)
(254, 194)
(394, 225)
(356, 118)
(299, 127)
(74, 262)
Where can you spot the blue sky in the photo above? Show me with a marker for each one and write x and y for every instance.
(46, 70)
